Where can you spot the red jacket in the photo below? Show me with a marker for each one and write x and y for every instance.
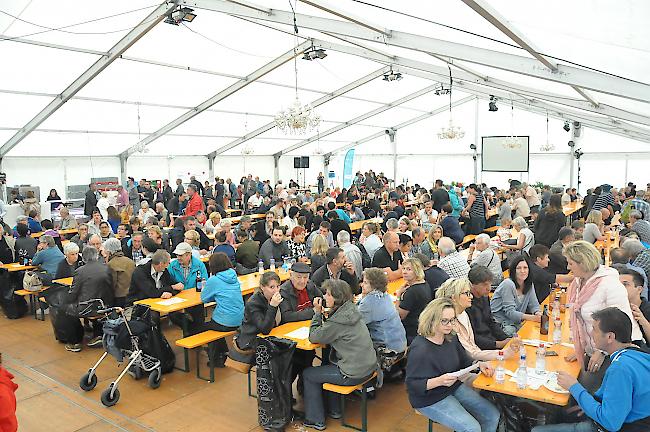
(194, 205)
(8, 422)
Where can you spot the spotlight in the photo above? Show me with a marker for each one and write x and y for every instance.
(567, 127)
(392, 76)
(313, 54)
(442, 91)
(179, 15)
(493, 104)
(472, 146)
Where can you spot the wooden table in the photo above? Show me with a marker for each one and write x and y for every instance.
(61, 232)
(571, 208)
(356, 226)
(64, 281)
(303, 344)
(236, 220)
(612, 240)
(530, 330)
(16, 267)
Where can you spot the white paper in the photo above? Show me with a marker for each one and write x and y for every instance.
(460, 373)
(536, 342)
(535, 380)
(171, 301)
(301, 333)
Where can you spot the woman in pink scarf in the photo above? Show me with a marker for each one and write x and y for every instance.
(595, 287)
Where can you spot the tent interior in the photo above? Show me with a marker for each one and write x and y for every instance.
(200, 97)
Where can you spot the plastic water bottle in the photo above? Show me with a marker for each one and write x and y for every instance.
(522, 373)
(556, 307)
(260, 267)
(500, 372)
(540, 360)
(272, 264)
(557, 331)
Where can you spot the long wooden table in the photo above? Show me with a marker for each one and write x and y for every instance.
(356, 226)
(16, 267)
(530, 330)
(61, 232)
(303, 344)
(571, 208)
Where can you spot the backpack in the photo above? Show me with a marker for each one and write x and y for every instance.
(366, 262)
(13, 306)
(32, 281)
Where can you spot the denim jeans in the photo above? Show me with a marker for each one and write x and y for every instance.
(585, 426)
(464, 411)
(314, 377)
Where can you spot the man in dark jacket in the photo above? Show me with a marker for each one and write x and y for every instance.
(337, 267)
(92, 281)
(134, 249)
(247, 251)
(199, 186)
(487, 332)
(274, 248)
(152, 279)
(91, 199)
(440, 196)
(337, 224)
(167, 192)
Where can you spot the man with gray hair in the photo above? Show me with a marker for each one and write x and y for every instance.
(640, 226)
(453, 263)
(352, 252)
(92, 281)
(419, 236)
(639, 255)
(152, 280)
(388, 257)
(392, 224)
(48, 256)
(486, 257)
(121, 270)
(71, 263)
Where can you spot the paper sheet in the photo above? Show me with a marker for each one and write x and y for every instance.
(171, 301)
(535, 380)
(536, 342)
(301, 333)
(460, 373)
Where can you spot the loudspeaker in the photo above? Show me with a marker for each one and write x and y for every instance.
(304, 162)
(296, 162)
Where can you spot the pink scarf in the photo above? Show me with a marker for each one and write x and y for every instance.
(579, 293)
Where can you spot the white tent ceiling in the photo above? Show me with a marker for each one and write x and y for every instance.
(599, 48)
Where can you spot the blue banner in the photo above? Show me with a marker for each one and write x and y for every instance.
(347, 168)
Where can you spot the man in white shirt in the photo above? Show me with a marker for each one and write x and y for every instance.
(486, 257)
(428, 216)
(520, 206)
(255, 200)
(531, 197)
(352, 252)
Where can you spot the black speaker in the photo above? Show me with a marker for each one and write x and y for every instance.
(296, 162)
(304, 162)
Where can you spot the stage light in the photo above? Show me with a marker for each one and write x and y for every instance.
(567, 127)
(492, 106)
(392, 76)
(313, 54)
(179, 15)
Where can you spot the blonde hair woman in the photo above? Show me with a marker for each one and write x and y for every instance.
(594, 288)
(212, 224)
(193, 239)
(318, 250)
(459, 291)
(412, 297)
(430, 244)
(155, 233)
(127, 214)
(594, 227)
(432, 389)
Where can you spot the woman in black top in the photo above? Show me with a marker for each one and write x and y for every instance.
(432, 387)
(54, 196)
(412, 297)
(549, 222)
(261, 312)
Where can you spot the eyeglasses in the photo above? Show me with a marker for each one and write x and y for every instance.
(445, 321)
(467, 293)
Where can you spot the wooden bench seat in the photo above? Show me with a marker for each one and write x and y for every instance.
(198, 340)
(34, 301)
(467, 239)
(492, 229)
(362, 388)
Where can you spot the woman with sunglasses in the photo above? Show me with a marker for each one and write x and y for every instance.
(459, 291)
(433, 389)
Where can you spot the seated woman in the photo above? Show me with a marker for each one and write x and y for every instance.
(297, 244)
(224, 288)
(430, 244)
(212, 224)
(318, 250)
(114, 218)
(71, 262)
(404, 226)
(450, 224)
(378, 312)
(48, 257)
(412, 297)
(525, 239)
(261, 312)
(222, 245)
(193, 238)
(433, 391)
(459, 292)
(370, 238)
(155, 234)
(514, 300)
(338, 324)
(594, 227)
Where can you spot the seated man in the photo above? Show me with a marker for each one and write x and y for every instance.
(433, 275)
(623, 400)
(633, 283)
(543, 279)
(337, 266)
(621, 256)
(92, 281)
(450, 224)
(274, 248)
(453, 263)
(247, 251)
(388, 257)
(486, 257)
(152, 279)
(488, 334)
(637, 224)
(558, 263)
(185, 268)
(48, 257)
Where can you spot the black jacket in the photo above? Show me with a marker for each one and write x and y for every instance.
(259, 317)
(547, 227)
(168, 194)
(486, 330)
(338, 225)
(435, 276)
(290, 303)
(143, 286)
(90, 203)
(199, 186)
(322, 274)
(92, 281)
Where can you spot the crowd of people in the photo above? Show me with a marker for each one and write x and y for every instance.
(148, 242)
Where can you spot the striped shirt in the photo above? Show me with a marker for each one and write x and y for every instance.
(603, 200)
(639, 205)
(478, 207)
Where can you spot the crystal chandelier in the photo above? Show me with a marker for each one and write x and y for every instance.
(297, 119)
(451, 132)
(247, 150)
(548, 146)
(512, 142)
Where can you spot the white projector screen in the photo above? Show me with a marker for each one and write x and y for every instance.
(499, 154)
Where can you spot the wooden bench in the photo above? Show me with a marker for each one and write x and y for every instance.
(33, 301)
(492, 229)
(362, 388)
(467, 239)
(198, 340)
